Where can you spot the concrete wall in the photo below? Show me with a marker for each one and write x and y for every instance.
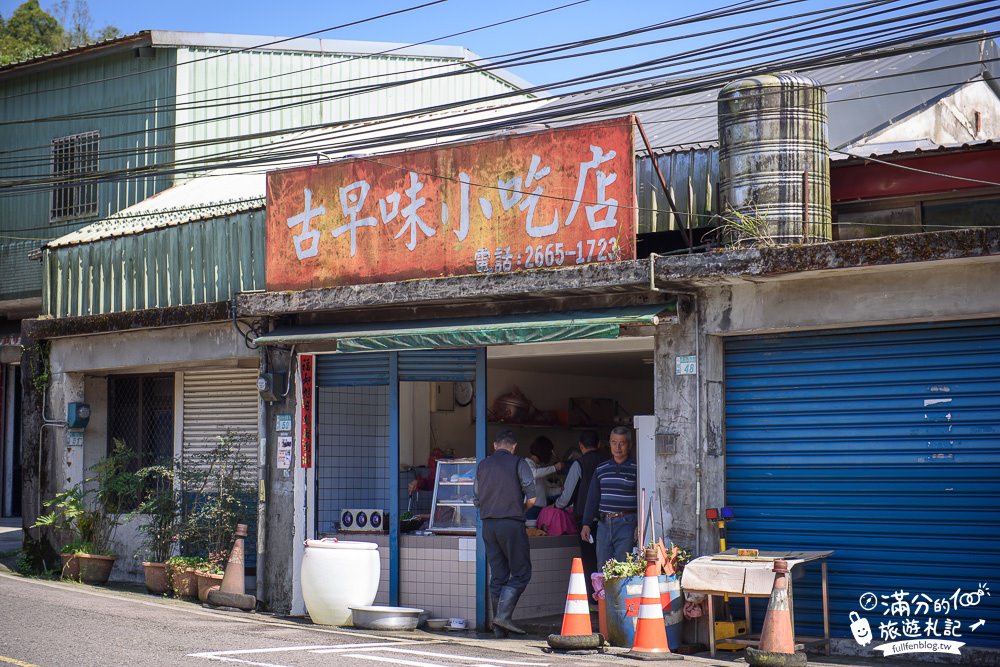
(692, 406)
(79, 370)
(952, 120)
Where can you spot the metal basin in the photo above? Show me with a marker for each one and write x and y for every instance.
(386, 618)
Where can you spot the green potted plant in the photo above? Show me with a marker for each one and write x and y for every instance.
(91, 513)
(159, 511)
(209, 575)
(182, 576)
(623, 582)
(219, 493)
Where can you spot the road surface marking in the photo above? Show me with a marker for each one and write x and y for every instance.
(206, 654)
(12, 661)
(452, 656)
(394, 661)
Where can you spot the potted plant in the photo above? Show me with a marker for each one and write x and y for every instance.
(181, 575)
(219, 491)
(90, 513)
(209, 576)
(623, 583)
(159, 511)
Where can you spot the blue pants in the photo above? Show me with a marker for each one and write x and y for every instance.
(615, 538)
(508, 554)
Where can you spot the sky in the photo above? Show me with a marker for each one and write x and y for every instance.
(587, 18)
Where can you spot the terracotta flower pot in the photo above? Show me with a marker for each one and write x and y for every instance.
(156, 577)
(70, 567)
(207, 582)
(184, 582)
(95, 569)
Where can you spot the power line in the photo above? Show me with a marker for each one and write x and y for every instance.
(207, 163)
(243, 137)
(221, 55)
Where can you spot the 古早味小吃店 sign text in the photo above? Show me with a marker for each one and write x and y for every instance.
(542, 200)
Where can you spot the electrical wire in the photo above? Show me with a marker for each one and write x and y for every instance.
(348, 91)
(231, 138)
(75, 180)
(126, 75)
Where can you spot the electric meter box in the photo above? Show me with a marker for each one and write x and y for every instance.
(78, 415)
(271, 386)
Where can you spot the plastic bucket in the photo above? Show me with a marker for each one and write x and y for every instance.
(337, 576)
(622, 601)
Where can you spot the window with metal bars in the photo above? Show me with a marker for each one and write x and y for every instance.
(74, 164)
(141, 413)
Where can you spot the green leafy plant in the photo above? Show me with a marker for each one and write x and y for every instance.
(91, 512)
(743, 227)
(634, 565)
(183, 562)
(219, 493)
(159, 508)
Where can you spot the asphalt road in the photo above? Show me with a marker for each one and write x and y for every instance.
(61, 624)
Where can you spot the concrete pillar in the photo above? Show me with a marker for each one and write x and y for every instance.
(68, 388)
(677, 404)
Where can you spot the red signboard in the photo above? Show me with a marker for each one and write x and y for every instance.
(547, 199)
(306, 374)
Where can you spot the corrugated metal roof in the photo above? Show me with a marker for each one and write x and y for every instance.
(863, 96)
(226, 41)
(198, 198)
(905, 149)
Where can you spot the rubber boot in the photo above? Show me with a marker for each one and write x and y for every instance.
(498, 632)
(505, 609)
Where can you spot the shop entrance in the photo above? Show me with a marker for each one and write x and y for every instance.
(10, 440)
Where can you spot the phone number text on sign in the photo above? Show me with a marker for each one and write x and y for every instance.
(551, 255)
(533, 201)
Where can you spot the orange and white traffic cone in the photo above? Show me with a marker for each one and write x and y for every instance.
(650, 641)
(577, 634)
(232, 592)
(777, 643)
(576, 617)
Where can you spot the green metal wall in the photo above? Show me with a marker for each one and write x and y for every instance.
(196, 262)
(26, 145)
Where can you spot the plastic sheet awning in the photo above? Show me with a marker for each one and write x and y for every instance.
(604, 323)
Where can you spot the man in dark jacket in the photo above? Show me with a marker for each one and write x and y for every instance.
(575, 494)
(504, 490)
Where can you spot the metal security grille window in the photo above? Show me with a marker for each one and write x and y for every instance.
(74, 160)
(141, 413)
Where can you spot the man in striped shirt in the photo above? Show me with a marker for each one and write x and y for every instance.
(611, 500)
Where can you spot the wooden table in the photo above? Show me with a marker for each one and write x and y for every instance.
(747, 580)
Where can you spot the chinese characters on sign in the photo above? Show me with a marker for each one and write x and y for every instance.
(306, 410)
(542, 200)
(918, 622)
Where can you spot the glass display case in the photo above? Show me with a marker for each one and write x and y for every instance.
(452, 509)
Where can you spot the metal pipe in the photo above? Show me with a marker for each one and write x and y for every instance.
(663, 183)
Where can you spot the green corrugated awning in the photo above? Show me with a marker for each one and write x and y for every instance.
(476, 331)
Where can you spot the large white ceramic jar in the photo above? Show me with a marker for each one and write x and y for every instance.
(336, 576)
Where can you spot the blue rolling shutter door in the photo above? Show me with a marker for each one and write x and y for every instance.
(882, 444)
(352, 370)
(458, 365)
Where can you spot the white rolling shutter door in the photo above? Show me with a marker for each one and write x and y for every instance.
(216, 401)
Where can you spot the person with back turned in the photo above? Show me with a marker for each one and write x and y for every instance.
(504, 490)
(575, 491)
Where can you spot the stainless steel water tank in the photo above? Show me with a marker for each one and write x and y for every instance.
(774, 156)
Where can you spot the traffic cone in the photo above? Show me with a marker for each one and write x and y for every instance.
(777, 643)
(650, 641)
(232, 592)
(576, 634)
(576, 617)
